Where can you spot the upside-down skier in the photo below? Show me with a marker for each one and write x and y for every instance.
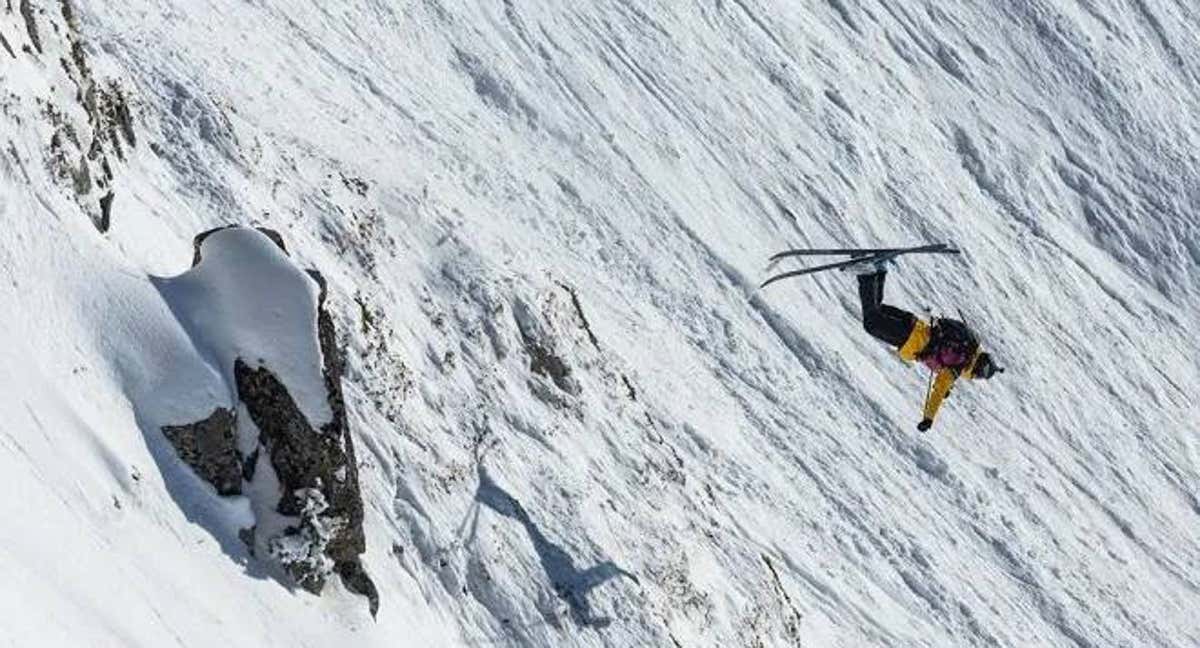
(947, 346)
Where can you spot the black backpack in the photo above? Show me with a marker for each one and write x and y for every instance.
(948, 333)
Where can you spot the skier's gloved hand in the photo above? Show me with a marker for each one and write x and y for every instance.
(925, 424)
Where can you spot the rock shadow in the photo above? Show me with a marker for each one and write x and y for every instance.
(222, 518)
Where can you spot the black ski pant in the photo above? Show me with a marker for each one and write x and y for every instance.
(887, 323)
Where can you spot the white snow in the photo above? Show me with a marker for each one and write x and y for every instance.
(246, 300)
(463, 174)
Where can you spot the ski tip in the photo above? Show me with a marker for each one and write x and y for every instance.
(771, 280)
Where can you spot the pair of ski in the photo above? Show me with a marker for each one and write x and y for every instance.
(857, 256)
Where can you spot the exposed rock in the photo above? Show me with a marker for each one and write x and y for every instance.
(583, 320)
(81, 176)
(344, 492)
(210, 448)
(247, 538)
(91, 121)
(544, 359)
(301, 455)
(8, 48)
(112, 109)
(106, 202)
(68, 14)
(355, 578)
(31, 25)
(309, 463)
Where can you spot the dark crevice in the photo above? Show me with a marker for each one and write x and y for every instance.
(792, 624)
(31, 25)
(629, 388)
(8, 48)
(587, 327)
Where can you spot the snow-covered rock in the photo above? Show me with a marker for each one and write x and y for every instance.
(262, 322)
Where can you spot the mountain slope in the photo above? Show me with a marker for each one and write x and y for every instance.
(577, 421)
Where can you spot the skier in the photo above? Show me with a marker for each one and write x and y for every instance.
(946, 346)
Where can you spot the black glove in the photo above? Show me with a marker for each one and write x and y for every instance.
(925, 424)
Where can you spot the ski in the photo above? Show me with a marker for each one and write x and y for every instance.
(937, 248)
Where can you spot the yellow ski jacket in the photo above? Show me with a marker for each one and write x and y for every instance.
(945, 378)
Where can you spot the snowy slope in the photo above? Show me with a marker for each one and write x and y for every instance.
(577, 421)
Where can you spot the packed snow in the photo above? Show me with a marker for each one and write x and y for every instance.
(577, 420)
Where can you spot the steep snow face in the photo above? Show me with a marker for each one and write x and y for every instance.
(578, 422)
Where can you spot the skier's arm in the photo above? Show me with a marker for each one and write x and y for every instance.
(941, 388)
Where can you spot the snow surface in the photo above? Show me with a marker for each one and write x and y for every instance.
(485, 184)
(247, 300)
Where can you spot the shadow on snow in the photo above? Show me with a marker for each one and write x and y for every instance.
(570, 583)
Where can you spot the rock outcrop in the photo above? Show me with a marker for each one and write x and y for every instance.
(90, 117)
(210, 447)
(319, 527)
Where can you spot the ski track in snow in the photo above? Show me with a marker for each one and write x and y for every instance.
(485, 185)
